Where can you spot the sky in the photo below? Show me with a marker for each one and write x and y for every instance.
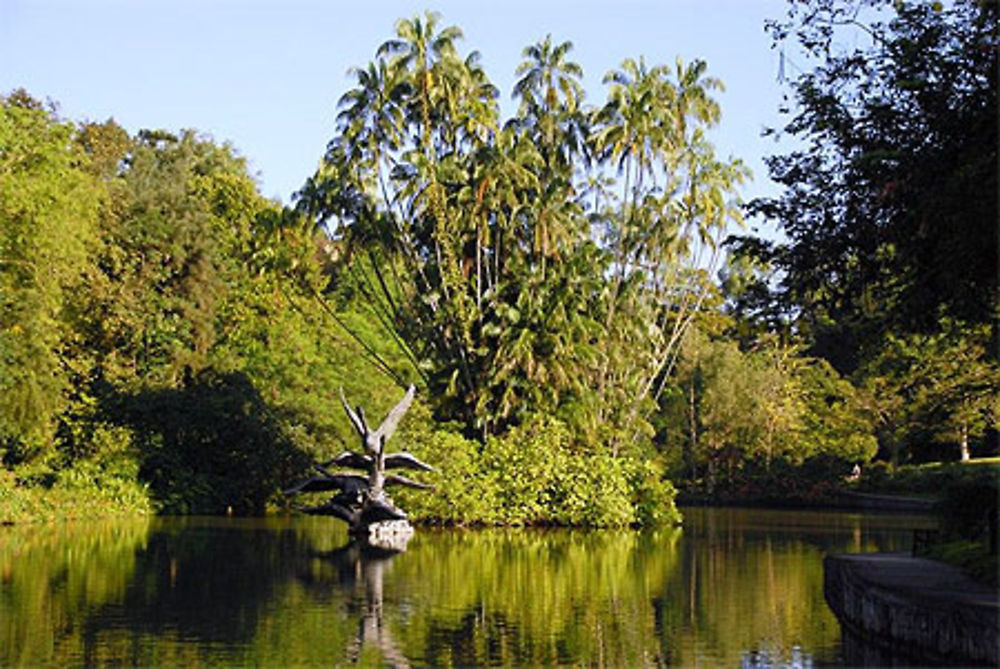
(266, 76)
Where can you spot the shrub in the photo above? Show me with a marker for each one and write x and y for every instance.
(89, 488)
(652, 495)
(463, 494)
(930, 479)
(212, 445)
(969, 508)
(533, 475)
(592, 491)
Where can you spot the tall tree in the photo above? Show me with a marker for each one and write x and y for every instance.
(890, 208)
(479, 248)
(941, 385)
(663, 228)
(49, 208)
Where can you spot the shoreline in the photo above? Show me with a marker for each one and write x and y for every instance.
(913, 607)
(845, 501)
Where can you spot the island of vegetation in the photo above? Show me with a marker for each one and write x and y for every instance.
(572, 290)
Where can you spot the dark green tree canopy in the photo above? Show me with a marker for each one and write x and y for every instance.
(890, 208)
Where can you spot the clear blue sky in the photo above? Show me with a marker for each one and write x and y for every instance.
(266, 76)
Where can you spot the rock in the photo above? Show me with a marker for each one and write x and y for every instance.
(391, 535)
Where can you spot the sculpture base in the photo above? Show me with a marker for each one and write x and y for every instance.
(391, 535)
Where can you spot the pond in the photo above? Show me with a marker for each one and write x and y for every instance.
(732, 587)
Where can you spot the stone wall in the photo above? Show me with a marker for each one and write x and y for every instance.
(925, 622)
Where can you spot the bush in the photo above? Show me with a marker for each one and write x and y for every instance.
(212, 445)
(533, 476)
(969, 508)
(815, 480)
(652, 495)
(929, 479)
(970, 512)
(969, 556)
(592, 491)
(89, 488)
(463, 494)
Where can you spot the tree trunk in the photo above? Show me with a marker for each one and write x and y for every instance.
(964, 441)
(768, 447)
(692, 443)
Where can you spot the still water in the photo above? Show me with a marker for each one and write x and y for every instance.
(732, 587)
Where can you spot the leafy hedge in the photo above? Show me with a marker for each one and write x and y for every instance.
(817, 480)
(970, 513)
(533, 475)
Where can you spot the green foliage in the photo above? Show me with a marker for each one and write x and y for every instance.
(972, 557)
(652, 494)
(970, 506)
(940, 387)
(170, 259)
(197, 367)
(155, 326)
(91, 488)
(211, 446)
(463, 493)
(732, 410)
(48, 216)
(926, 479)
(836, 421)
(533, 476)
(170, 338)
(887, 268)
(890, 205)
(545, 265)
(813, 481)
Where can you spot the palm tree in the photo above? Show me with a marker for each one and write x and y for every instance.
(548, 80)
(692, 100)
(551, 98)
(675, 200)
(420, 52)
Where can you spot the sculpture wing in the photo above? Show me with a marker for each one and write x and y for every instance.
(356, 420)
(349, 483)
(388, 426)
(314, 484)
(377, 511)
(396, 479)
(405, 460)
(333, 509)
(350, 459)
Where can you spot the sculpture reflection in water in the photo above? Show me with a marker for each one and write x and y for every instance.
(362, 566)
(362, 501)
(379, 529)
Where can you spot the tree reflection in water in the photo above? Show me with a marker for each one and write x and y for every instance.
(733, 587)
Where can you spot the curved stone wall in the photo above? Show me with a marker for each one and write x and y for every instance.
(919, 608)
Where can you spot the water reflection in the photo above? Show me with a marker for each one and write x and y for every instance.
(51, 577)
(534, 597)
(361, 569)
(734, 587)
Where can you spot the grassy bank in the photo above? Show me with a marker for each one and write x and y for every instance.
(929, 479)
